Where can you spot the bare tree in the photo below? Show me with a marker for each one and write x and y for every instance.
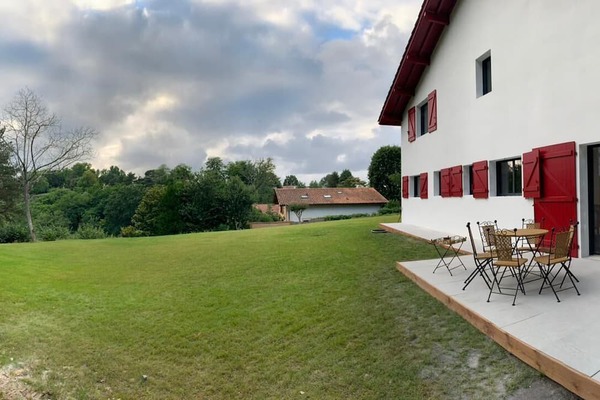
(38, 142)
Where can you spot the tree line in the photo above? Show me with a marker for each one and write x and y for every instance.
(47, 191)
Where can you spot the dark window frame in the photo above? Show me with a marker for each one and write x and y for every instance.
(486, 75)
(470, 169)
(423, 118)
(416, 182)
(509, 181)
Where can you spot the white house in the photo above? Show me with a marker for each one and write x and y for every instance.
(322, 202)
(497, 103)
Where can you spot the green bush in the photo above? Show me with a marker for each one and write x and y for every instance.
(340, 217)
(259, 216)
(50, 233)
(11, 233)
(88, 231)
(222, 227)
(392, 207)
(130, 231)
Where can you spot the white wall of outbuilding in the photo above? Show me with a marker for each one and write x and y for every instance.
(320, 211)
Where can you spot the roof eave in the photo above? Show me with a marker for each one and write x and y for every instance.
(431, 22)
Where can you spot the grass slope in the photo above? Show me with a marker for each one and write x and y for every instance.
(314, 311)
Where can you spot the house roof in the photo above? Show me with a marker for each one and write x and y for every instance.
(433, 19)
(265, 208)
(319, 196)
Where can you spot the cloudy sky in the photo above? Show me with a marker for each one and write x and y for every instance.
(177, 81)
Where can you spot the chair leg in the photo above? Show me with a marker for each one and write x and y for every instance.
(546, 273)
(479, 270)
(519, 276)
(494, 280)
(566, 267)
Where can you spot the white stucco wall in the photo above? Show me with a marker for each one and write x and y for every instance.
(545, 90)
(320, 211)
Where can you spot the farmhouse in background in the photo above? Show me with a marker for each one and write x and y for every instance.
(497, 102)
(323, 202)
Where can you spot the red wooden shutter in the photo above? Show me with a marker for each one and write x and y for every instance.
(557, 205)
(412, 124)
(432, 111)
(423, 183)
(532, 187)
(405, 187)
(445, 182)
(480, 180)
(456, 188)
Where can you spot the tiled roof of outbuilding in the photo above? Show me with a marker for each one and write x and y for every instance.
(313, 196)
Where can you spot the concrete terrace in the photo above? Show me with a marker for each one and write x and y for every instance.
(561, 340)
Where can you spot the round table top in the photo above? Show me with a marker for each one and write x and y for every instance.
(524, 232)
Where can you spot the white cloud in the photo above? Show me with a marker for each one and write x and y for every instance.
(176, 81)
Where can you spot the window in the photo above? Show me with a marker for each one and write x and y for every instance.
(416, 187)
(437, 183)
(423, 119)
(508, 177)
(468, 179)
(484, 74)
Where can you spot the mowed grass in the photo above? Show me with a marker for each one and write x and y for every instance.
(316, 311)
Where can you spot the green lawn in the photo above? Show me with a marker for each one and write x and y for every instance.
(316, 311)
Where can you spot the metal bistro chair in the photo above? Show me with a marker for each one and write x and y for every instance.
(487, 229)
(561, 244)
(482, 261)
(507, 262)
(530, 245)
(533, 245)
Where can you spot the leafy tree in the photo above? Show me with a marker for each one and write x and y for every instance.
(314, 184)
(345, 175)
(41, 186)
(118, 206)
(291, 180)
(9, 185)
(245, 170)
(298, 209)
(237, 199)
(38, 143)
(115, 176)
(88, 180)
(148, 217)
(265, 180)
(158, 176)
(181, 172)
(330, 180)
(386, 162)
(347, 180)
(64, 207)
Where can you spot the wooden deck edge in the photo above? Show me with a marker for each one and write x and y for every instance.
(410, 235)
(582, 385)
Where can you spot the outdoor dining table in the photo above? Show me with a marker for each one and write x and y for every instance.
(527, 234)
(524, 232)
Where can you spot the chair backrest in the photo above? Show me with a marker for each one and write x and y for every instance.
(572, 233)
(504, 245)
(562, 244)
(487, 229)
(528, 223)
(473, 246)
